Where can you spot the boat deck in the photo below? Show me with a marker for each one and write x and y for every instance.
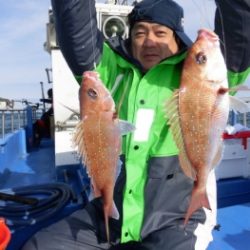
(36, 168)
(233, 231)
(35, 175)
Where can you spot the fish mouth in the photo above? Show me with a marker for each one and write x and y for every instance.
(94, 76)
(208, 34)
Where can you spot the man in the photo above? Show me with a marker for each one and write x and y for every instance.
(152, 193)
(42, 126)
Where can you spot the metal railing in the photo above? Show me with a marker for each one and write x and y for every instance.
(242, 118)
(246, 116)
(11, 120)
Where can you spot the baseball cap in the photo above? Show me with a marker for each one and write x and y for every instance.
(164, 12)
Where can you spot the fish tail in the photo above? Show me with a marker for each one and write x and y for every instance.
(106, 219)
(109, 209)
(199, 199)
(113, 213)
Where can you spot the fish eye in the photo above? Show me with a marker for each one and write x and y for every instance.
(92, 93)
(201, 58)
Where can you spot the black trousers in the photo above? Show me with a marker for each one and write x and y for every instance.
(167, 193)
(84, 229)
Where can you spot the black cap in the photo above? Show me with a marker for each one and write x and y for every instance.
(165, 12)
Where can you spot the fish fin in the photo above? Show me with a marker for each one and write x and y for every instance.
(118, 168)
(199, 199)
(238, 105)
(78, 142)
(218, 157)
(106, 219)
(186, 166)
(125, 127)
(96, 191)
(172, 111)
(114, 212)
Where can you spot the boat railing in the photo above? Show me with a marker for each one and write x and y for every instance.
(12, 119)
(241, 118)
(246, 116)
(69, 124)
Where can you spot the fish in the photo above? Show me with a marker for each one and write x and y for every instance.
(197, 114)
(98, 140)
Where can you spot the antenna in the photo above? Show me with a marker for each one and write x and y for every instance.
(42, 89)
(49, 74)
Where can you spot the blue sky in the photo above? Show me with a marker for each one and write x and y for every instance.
(23, 59)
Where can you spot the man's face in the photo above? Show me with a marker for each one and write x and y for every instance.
(151, 43)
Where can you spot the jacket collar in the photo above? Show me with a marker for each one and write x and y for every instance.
(122, 47)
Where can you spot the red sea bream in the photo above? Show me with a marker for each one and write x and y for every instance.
(98, 138)
(198, 114)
